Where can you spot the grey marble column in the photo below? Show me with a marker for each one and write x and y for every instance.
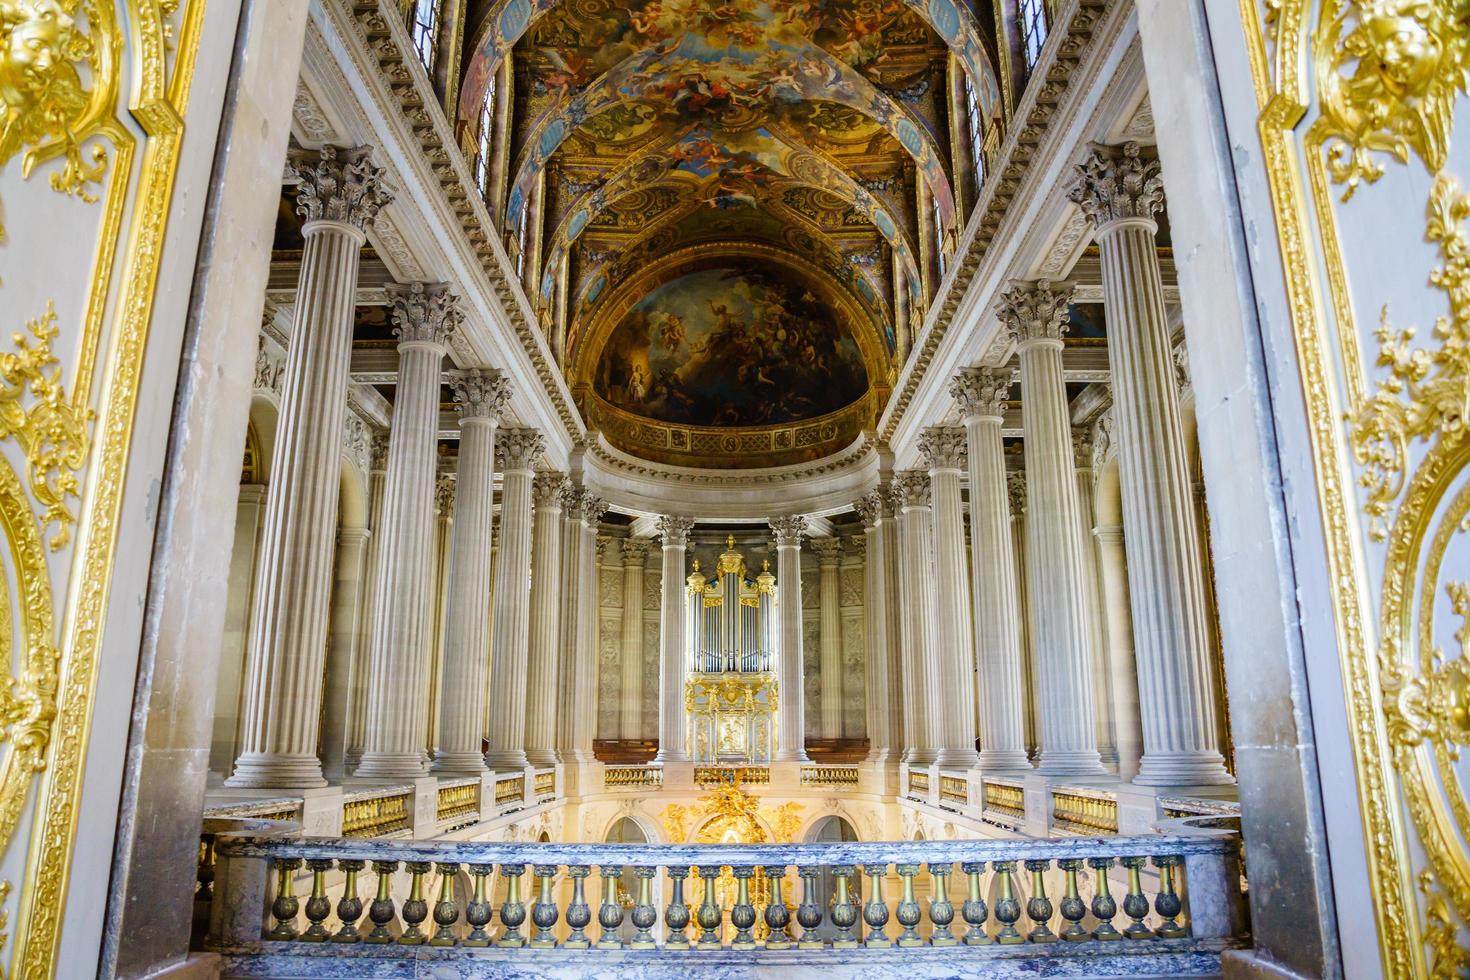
(829, 608)
(548, 583)
(872, 509)
(510, 642)
(1036, 315)
(424, 318)
(952, 652)
(479, 395)
(630, 680)
(341, 193)
(982, 394)
(1120, 193)
(911, 498)
(672, 656)
(791, 719)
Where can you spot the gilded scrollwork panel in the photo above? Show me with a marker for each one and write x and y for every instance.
(1357, 103)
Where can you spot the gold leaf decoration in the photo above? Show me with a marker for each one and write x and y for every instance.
(1427, 390)
(51, 431)
(1448, 960)
(57, 88)
(1388, 72)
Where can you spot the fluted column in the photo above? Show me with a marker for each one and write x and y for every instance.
(1113, 571)
(577, 708)
(1102, 677)
(1120, 193)
(630, 685)
(358, 696)
(829, 607)
(982, 394)
(479, 396)
(911, 497)
(341, 193)
(952, 653)
(424, 318)
(791, 720)
(871, 508)
(440, 556)
(1036, 315)
(547, 584)
(1016, 490)
(672, 657)
(510, 644)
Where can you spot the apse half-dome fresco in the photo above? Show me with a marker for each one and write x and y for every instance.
(731, 346)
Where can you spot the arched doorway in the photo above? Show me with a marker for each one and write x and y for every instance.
(835, 829)
(625, 830)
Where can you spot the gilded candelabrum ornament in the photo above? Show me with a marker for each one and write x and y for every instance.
(1388, 73)
(58, 83)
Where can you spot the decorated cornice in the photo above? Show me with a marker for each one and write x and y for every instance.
(1114, 183)
(480, 393)
(943, 448)
(338, 184)
(982, 392)
(424, 313)
(1035, 311)
(788, 530)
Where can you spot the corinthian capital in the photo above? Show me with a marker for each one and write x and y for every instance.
(943, 447)
(1034, 311)
(444, 494)
(871, 508)
(675, 530)
(423, 312)
(1115, 184)
(480, 393)
(517, 449)
(592, 509)
(1016, 488)
(828, 550)
(788, 530)
(338, 184)
(549, 490)
(910, 489)
(982, 392)
(635, 551)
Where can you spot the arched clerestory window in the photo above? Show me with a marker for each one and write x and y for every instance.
(485, 139)
(1034, 27)
(423, 28)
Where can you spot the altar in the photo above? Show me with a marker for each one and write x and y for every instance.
(730, 690)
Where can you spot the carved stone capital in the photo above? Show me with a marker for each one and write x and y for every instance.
(423, 312)
(910, 489)
(592, 508)
(1102, 441)
(635, 551)
(1114, 183)
(1082, 446)
(444, 494)
(871, 507)
(338, 184)
(480, 393)
(982, 392)
(549, 489)
(517, 449)
(788, 530)
(378, 452)
(675, 530)
(828, 550)
(1036, 311)
(943, 448)
(1016, 487)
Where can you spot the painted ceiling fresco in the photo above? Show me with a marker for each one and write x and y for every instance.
(734, 346)
(729, 131)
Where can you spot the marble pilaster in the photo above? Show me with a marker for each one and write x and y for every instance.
(630, 679)
(479, 396)
(829, 599)
(341, 194)
(358, 695)
(982, 394)
(1036, 315)
(911, 498)
(577, 717)
(517, 450)
(791, 718)
(872, 509)
(547, 584)
(1113, 574)
(424, 317)
(1120, 192)
(952, 652)
(1107, 741)
(673, 657)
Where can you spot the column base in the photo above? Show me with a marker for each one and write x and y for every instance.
(540, 758)
(920, 758)
(1183, 769)
(506, 760)
(999, 762)
(1070, 763)
(391, 765)
(265, 770)
(458, 764)
(956, 758)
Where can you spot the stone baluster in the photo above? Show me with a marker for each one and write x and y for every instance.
(630, 686)
(672, 657)
(982, 394)
(1036, 315)
(1120, 193)
(479, 396)
(547, 584)
(424, 316)
(952, 654)
(791, 723)
(916, 599)
(829, 601)
(517, 449)
(341, 194)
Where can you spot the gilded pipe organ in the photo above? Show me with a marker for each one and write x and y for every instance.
(730, 694)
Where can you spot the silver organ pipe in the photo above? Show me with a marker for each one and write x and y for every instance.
(731, 618)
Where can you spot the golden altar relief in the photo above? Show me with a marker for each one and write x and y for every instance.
(731, 717)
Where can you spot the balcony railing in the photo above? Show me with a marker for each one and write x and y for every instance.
(842, 777)
(275, 897)
(632, 777)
